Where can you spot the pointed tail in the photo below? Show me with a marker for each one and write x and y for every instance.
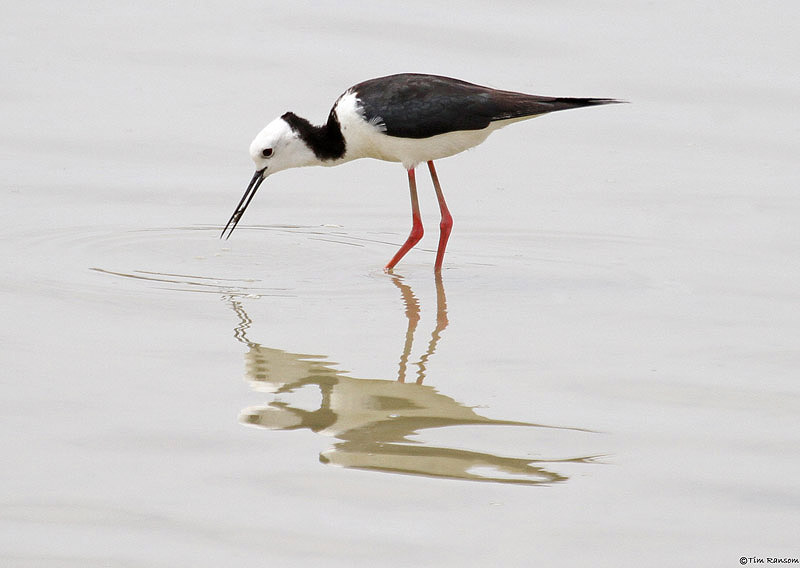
(565, 103)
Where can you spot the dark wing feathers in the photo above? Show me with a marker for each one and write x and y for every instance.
(418, 106)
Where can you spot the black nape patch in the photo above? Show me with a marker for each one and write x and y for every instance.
(326, 141)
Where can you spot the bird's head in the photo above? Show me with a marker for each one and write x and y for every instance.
(277, 147)
(280, 147)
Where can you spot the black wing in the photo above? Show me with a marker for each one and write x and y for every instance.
(412, 105)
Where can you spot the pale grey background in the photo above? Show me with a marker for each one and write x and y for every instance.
(630, 270)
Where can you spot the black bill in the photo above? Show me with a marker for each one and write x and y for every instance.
(252, 187)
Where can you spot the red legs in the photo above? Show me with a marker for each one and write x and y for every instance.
(416, 229)
(445, 226)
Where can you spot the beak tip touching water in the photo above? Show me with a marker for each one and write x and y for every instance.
(252, 187)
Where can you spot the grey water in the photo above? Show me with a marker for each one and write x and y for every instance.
(605, 373)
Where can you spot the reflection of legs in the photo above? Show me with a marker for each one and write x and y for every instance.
(416, 228)
(446, 224)
(441, 307)
(441, 325)
(412, 314)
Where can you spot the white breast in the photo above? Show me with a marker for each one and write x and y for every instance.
(368, 140)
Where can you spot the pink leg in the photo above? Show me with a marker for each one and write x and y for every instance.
(416, 229)
(446, 224)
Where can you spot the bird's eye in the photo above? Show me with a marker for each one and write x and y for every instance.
(266, 152)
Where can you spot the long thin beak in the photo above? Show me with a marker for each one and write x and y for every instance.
(252, 187)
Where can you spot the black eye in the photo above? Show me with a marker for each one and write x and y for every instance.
(266, 152)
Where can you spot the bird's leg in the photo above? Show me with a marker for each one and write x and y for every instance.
(416, 229)
(446, 225)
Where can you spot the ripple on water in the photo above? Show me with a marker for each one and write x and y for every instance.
(81, 261)
(105, 263)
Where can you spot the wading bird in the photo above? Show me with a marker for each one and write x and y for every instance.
(408, 118)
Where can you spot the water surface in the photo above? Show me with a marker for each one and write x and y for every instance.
(605, 372)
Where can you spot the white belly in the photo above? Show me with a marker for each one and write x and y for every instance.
(366, 140)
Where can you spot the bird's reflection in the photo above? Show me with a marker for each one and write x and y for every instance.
(413, 316)
(373, 419)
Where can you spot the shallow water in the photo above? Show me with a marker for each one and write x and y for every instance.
(605, 373)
